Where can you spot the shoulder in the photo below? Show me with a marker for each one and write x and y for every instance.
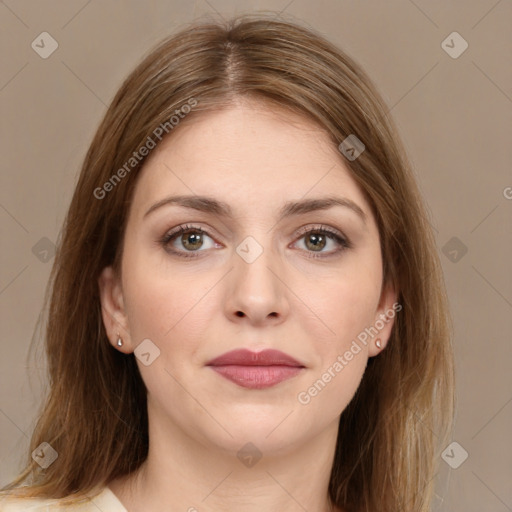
(104, 500)
(10, 503)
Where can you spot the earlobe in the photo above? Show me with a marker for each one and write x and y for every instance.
(112, 307)
(384, 319)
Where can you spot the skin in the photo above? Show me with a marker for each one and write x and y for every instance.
(194, 309)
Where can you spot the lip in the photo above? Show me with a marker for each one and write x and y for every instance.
(256, 370)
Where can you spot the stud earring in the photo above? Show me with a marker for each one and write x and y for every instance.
(378, 343)
(119, 340)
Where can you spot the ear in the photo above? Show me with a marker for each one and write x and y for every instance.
(112, 310)
(384, 320)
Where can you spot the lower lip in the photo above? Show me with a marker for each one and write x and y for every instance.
(257, 377)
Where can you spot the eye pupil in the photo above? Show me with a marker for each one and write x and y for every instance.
(318, 241)
(195, 240)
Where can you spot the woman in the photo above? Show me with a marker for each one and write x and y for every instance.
(247, 309)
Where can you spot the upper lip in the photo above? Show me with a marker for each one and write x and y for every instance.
(244, 357)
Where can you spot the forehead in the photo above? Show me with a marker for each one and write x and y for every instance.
(247, 154)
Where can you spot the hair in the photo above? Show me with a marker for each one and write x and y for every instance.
(95, 415)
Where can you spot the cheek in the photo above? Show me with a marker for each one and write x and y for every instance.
(164, 306)
(348, 309)
(344, 306)
(356, 310)
(330, 392)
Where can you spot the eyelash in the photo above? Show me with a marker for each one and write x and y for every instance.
(323, 230)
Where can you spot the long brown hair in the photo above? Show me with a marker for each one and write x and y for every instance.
(95, 416)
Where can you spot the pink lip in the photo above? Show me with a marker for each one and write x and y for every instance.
(256, 370)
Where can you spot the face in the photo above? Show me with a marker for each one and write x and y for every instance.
(267, 273)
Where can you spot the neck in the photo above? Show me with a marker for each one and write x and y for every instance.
(181, 473)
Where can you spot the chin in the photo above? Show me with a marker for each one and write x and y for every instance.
(276, 432)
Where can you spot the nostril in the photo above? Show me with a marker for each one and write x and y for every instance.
(239, 313)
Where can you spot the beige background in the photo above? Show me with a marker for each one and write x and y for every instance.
(454, 114)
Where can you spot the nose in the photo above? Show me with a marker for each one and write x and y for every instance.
(257, 291)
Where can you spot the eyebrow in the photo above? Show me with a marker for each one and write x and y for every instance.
(291, 208)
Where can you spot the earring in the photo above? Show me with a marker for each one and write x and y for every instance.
(378, 343)
(119, 340)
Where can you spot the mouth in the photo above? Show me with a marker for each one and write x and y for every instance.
(256, 370)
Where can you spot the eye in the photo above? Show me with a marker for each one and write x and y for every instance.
(189, 237)
(192, 240)
(316, 239)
